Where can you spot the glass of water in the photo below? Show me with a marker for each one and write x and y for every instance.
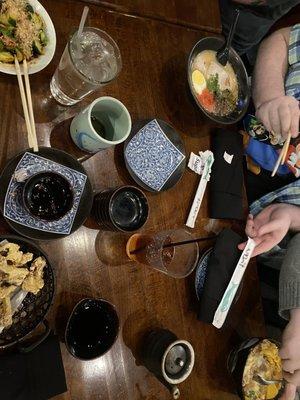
(88, 62)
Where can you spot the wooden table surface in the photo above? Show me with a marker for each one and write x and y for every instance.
(152, 84)
(200, 14)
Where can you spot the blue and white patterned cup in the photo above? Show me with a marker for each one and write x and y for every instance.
(110, 114)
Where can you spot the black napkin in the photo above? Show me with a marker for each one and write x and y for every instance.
(226, 183)
(37, 375)
(221, 265)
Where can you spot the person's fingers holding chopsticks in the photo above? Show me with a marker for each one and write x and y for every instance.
(275, 120)
(295, 119)
(285, 120)
(250, 227)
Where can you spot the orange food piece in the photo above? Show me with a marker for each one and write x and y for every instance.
(206, 98)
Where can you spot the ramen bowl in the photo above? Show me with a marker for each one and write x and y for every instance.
(243, 98)
(239, 364)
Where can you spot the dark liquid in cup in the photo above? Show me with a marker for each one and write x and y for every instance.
(128, 210)
(92, 330)
(49, 196)
(146, 251)
(99, 126)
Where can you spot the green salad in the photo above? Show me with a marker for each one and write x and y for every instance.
(22, 32)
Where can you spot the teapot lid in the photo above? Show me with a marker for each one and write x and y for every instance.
(178, 361)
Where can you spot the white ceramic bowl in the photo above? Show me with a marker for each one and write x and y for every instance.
(39, 63)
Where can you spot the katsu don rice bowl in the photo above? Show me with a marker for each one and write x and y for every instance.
(256, 357)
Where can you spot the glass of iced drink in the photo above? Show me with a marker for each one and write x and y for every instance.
(88, 62)
(172, 252)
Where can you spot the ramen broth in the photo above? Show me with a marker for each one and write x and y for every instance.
(215, 86)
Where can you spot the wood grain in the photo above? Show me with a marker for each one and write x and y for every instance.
(200, 14)
(152, 84)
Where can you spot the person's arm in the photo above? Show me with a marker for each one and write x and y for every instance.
(271, 67)
(289, 283)
(278, 112)
(289, 308)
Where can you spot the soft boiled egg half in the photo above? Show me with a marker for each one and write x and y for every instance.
(199, 81)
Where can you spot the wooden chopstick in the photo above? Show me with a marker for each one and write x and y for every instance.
(29, 99)
(286, 148)
(282, 155)
(32, 141)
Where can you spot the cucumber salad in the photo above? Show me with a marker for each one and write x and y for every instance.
(22, 32)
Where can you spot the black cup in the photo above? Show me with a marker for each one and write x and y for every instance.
(92, 329)
(48, 195)
(123, 209)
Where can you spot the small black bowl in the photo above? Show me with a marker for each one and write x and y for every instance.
(48, 195)
(92, 329)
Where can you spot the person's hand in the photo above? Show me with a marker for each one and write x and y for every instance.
(290, 355)
(280, 115)
(268, 228)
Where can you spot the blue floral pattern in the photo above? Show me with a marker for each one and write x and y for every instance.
(152, 156)
(14, 208)
(201, 271)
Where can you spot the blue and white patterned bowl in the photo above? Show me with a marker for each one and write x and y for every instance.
(155, 156)
(201, 271)
(14, 208)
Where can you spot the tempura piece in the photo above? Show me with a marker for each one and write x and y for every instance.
(11, 252)
(6, 290)
(27, 257)
(15, 276)
(5, 312)
(34, 281)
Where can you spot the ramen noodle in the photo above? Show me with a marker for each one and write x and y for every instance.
(263, 360)
(215, 86)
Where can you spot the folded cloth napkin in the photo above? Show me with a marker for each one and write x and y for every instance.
(226, 182)
(38, 375)
(221, 266)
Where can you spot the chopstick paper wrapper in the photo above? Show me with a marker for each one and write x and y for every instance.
(225, 304)
(202, 166)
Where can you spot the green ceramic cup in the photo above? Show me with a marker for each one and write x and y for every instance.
(104, 123)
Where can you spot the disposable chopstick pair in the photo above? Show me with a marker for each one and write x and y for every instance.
(230, 292)
(27, 104)
(282, 155)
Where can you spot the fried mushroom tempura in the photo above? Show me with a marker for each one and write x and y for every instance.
(13, 255)
(17, 270)
(6, 290)
(34, 280)
(14, 276)
(5, 312)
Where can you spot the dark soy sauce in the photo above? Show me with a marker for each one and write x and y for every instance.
(128, 209)
(92, 329)
(48, 196)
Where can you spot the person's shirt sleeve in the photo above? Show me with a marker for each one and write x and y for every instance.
(289, 281)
